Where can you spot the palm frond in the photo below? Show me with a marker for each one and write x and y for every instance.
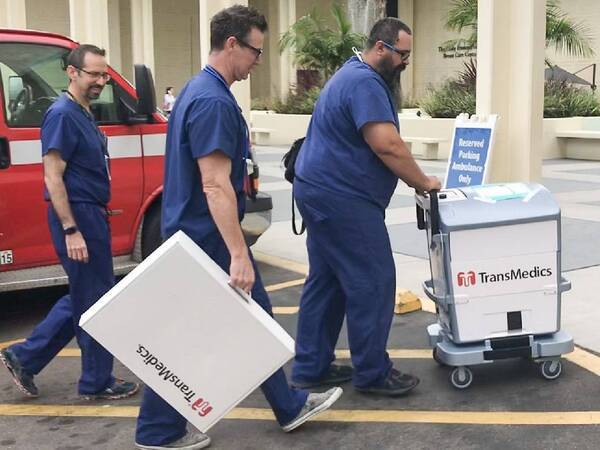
(315, 46)
(462, 14)
(567, 36)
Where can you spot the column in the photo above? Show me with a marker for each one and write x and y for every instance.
(287, 68)
(142, 33)
(406, 13)
(510, 83)
(89, 23)
(12, 14)
(114, 25)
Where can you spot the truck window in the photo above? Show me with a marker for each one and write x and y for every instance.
(33, 76)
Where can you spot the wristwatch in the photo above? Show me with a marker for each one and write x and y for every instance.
(70, 230)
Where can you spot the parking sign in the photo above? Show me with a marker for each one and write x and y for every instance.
(471, 147)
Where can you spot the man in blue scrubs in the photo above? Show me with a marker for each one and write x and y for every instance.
(207, 146)
(346, 173)
(77, 181)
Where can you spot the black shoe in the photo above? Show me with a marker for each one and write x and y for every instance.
(119, 389)
(335, 375)
(396, 383)
(22, 379)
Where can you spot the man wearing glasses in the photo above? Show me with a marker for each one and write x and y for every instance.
(77, 187)
(205, 167)
(346, 173)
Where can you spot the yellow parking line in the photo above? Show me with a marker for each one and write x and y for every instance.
(9, 343)
(284, 285)
(285, 310)
(579, 356)
(585, 359)
(413, 353)
(68, 410)
(352, 416)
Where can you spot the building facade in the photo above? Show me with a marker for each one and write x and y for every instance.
(172, 36)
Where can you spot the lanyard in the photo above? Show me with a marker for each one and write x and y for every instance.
(101, 136)
(213, 73)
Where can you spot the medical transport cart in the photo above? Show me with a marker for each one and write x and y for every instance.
(495, 260)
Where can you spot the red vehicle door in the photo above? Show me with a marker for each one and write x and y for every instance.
(33, 77)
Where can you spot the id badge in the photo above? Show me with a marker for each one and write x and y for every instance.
(106, 155)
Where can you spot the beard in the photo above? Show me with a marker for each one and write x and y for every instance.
(93, 95)
(391, 76)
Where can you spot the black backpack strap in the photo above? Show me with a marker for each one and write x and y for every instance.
(294, 228)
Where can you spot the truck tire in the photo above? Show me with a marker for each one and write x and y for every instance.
(151, 239)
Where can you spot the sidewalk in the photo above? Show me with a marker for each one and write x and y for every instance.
(575, 184)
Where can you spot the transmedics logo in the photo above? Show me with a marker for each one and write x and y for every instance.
(197, 403)
(466, 279)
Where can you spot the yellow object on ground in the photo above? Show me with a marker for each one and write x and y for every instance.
(407, 302)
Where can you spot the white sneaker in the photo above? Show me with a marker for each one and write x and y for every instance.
(315, 404)
(190, 441)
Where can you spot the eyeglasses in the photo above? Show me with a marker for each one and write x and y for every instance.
(258, 51)
(95, 75)
(404, 54)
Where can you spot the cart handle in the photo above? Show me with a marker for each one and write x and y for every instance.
(428, 289)
(565, 285)
(434, 212)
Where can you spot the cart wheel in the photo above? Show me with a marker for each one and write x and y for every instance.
(436, 357)
(461, 377)
(551, 370)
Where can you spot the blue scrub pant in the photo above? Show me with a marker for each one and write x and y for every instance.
(159, 424)
(87, 283)
(351, 274)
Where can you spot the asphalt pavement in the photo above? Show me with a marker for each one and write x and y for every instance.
(508, 406)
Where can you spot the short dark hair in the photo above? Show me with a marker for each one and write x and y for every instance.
(77, 55)
(168, 89)
(236, 21)
(387, 30)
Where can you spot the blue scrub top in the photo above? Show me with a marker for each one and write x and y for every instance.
(71, 130)
(205, 118)
(335, 156)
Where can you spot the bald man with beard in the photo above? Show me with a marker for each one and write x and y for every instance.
(345, 175)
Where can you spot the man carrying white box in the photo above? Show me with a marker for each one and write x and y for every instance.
(205, 169)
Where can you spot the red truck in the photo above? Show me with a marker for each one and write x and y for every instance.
(32, 76)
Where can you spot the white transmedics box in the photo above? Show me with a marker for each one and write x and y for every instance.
(176, 323)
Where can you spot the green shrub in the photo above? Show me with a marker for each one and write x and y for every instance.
(302, 102)
(564, 100)
(261, 104)
(454, 96)
(449, 100)
(457, 95)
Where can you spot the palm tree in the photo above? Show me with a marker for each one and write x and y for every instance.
(562, 33)
(317, 47)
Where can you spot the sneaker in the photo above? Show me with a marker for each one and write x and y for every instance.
(190, 441)
(22, 379)
(315, 404)
(335, 375)
(119, 389)
(396, 383)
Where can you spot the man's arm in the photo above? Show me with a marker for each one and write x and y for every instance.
(215, 170)
(384, 140)
(54, 169)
